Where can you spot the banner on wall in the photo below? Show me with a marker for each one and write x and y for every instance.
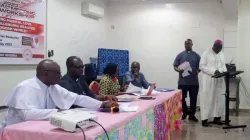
(22, 31)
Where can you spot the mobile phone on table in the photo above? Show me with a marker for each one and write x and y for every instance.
(147, 98)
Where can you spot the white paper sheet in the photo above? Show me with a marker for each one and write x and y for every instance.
(186, 67)
(123, 104)
(124, 107)
(145, 91)
(133, 89)
(128, 108)
(137, 91)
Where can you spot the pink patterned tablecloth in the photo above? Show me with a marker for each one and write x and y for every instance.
(155, 119)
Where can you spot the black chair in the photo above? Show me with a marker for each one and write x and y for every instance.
(90, 73)
(121, 80)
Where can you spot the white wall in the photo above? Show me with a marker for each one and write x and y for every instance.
(244, 49)
(68, 34)
(155, 34)
(11, 76)
(230, 39)
(230, 27)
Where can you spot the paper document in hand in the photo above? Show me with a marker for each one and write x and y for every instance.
(133, 89)
(140, 91)
(186, 67)
(185, 73)
(144, 92)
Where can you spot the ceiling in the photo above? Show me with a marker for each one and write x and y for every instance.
(230, 7)
(169, 1)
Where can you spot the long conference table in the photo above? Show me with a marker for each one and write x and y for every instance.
(155, 119)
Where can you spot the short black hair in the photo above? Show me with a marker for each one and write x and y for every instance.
(110, 69)
(188, 40)
(135, 62)
(69, 61)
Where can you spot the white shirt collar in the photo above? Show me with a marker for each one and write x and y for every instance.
(40, 83)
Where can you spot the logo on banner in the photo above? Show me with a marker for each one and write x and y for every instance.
(27, 54)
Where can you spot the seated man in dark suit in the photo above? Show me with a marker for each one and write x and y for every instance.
(70, 81)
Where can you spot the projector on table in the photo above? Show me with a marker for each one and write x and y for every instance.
(69, 120)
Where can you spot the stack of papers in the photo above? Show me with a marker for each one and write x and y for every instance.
(186, 67)
(139, 91)
(128, 108)
(164, 90)
(126, 99)
(133, 89)
(124, 107)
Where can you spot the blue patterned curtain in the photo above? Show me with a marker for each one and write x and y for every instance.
(120, 57)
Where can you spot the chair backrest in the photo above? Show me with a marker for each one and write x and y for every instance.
(121, 80)
(95, 87)
(90, 73)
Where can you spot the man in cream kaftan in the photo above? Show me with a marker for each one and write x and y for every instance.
(212, 93)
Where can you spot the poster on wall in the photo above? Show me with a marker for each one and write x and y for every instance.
(22, 31)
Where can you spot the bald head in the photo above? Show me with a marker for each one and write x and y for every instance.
(48, 71)
(135, 67)
(75, 66)
(46, 64)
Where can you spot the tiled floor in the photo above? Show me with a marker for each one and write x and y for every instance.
(194, 131)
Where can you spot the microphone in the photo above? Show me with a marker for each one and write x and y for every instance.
(112, 109)
(231, 61)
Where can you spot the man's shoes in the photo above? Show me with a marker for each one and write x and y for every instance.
(217, 120)
(184, 116)
(205, 123)
(193, 118)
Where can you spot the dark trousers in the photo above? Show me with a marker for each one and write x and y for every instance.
(193, 93)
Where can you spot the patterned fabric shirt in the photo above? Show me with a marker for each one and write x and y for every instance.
(108, 86)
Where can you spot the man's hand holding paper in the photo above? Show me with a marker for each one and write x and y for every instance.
(186, 68)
